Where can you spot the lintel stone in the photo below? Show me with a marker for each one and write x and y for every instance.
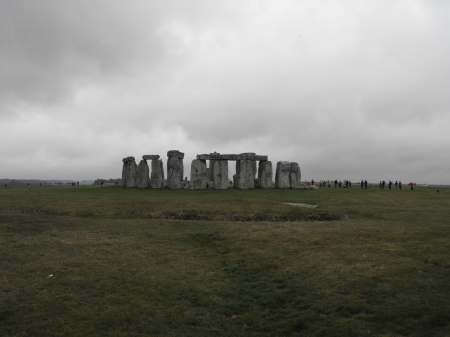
(150, 156)
(175, 153)
(127, 159)
(242, 156)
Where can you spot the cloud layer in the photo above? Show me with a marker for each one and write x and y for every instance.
(348, 89)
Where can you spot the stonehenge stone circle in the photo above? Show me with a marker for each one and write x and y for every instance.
(215, 176)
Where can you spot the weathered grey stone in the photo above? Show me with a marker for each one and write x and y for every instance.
(150, 156)
(254, 169)
(157, 175)
(142, 176)
(129, 174)
(175, 172)
(199, 180)
(294, 175)
(209, 182)
(219, 172)
(265, 173)
(123, 182)
(128, 159)
(211, 156)
(242, 156)
(175, 153)
(244, 178)
(282, 179)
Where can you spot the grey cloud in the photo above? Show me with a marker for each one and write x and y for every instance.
(363, 91)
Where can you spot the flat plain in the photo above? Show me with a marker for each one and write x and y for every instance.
(91, 261)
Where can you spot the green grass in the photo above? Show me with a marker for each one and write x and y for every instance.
(224, 263)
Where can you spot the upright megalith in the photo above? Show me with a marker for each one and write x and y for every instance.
(251, 156)
(199, 179)
(294, 175)
(129, 172)
(288, 175)
(245, 175)
(265, 173)
(142, 175)
(157, 174)
(282, 179)
(219, 172)
(175, 169)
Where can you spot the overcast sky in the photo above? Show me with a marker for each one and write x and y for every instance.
(348, 89)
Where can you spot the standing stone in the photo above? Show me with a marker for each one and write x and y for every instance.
(209, 171)
(142, 175)
(245, 175)
(209, 182)
(220, 174)
(265, 173)
(157, 175)
(294, 175)
(282, 173)
(254, 168)
(131, 174)
(123, 182)
(175, 169)
(199, 179)
(126, 171)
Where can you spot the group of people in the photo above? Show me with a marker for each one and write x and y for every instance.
(397, 185)
(336, 183)
(348, 184)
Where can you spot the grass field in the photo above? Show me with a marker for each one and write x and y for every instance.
(90, 261)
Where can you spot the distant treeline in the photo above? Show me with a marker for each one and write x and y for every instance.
(107, 181)
(39, 182)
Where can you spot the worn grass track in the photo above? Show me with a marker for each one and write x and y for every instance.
(126, 263)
